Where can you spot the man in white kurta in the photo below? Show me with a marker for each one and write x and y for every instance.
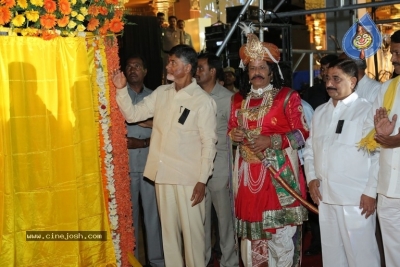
(366, 87)
(339, 175)
(182, 150)
(388, 136)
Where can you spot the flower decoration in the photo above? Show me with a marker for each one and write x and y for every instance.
(61, 17)
(112, 145)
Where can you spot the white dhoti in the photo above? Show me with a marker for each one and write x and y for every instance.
(179, 219)
(347, 237)
(280, 249)
(389, 220)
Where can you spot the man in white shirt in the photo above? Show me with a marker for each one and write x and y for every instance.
(218, 185)
(181, 155)
(366, 87)
(388, 136)
(339, 175)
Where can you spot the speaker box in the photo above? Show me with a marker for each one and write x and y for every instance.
(287, 5)
(233, 12)
(215, 31)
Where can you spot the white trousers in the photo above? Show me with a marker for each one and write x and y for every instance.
(280, 248)
(389, 220)
(347, 238)
(179, 219)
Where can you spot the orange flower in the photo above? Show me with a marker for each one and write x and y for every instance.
(118, 13)
(8, 3)
(104, 28)
(5, 15)
(64, 6)
(112, 2)
(48, 21)
(50, 6)
(63, 21)
(103, 10)
(48, 35)
(116, 25)
(93, 10)
(93, 24)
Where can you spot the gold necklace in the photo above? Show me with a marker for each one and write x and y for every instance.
(258, 112)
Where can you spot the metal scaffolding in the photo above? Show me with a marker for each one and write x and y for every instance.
(263, 16)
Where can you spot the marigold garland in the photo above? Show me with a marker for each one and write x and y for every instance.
(112, 145)
(103, 97)
(120, 157)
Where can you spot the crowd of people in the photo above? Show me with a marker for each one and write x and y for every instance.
(198, 143)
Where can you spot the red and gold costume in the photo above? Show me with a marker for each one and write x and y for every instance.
(267, 215)
(261, 204)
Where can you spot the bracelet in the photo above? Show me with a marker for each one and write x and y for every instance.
(276, 141)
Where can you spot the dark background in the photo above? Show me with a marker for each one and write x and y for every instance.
(143, 39)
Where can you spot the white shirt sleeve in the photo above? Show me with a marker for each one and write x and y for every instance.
(139, 112)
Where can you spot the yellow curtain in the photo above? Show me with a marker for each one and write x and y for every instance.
(49, 160)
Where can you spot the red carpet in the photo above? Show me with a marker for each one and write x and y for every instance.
(310, 261)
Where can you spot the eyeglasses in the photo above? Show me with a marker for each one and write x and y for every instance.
(260, 68)
(134, 67)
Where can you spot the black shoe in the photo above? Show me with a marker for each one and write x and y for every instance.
(311, 251)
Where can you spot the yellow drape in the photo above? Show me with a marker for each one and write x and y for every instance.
(49, 160)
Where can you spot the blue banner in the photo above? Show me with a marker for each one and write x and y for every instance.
(363, 39)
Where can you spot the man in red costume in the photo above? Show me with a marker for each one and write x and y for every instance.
(267, 121)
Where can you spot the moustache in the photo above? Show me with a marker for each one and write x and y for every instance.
(396, 63)
(331, 88)
(257, 77)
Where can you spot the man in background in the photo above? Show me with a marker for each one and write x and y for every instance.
(171, 36)
(208, 66)
(186, 38)
(229, 79)
(161, 19)
(161, 26)
(138, 141)
(317, 95)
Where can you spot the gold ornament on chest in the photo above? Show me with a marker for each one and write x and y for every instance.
(258, 112)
